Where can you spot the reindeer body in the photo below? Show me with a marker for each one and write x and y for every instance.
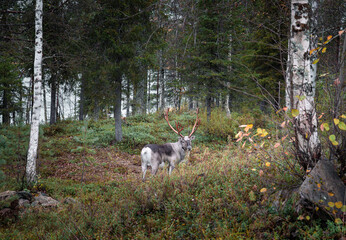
(156, 156)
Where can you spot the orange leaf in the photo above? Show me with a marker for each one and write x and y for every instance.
(312, 50)
(239, 134)
(331, 194)
(285, 108)
(336, 82)
(329, 37)
(338, 204)
(283, 124)
(322, 127)
(263, 190)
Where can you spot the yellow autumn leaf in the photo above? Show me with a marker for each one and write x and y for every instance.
(336, 121)
(317, 208)
(331, 194)
(326, 126)
(316, 61)
(338, 204)
(295, 112)
(332, 138)
(338, 221)
(307, 218)
(324, 50)
(265, 133)
(318, 185)
(268, 164)
(331, 204)
(343, 116)
(342, 126)
(263, 190)
(312, 50)
(249, 126)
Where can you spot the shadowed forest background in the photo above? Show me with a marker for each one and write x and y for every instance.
(109, 71)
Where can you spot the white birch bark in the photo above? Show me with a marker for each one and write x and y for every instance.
(34, 132)
(303, 79)
(228, 84)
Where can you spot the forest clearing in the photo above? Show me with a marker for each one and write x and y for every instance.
(172, 119)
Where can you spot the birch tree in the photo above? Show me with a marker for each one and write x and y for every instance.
(301, 81)
(34, 132)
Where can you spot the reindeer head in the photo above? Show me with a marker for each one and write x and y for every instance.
(185, 141)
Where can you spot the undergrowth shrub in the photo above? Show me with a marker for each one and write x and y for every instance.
(13, 150)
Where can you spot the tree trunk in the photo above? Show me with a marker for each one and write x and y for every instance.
(142, 93)
(303, 75)
(44, 102)
(117, 110)
(5, 105)
(134, 103)
(128, 98)
(162, 82)
(96, 113)
(208, 101)
(53, 111)
(34, 132)
(157, 90)
(82, 100)
(190, 102)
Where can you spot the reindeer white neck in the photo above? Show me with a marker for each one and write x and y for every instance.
(156, 156)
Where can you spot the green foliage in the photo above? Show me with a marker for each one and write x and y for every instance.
(10, 88)
(219, 200)
(13, 150)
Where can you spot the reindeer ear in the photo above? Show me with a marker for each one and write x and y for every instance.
(192, 138)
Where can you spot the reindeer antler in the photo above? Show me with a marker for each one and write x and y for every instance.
(178, 126)
(197, 123)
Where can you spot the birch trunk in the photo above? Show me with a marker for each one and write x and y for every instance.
(117, 110)
(34, 132)
(303, 75)
(82, 100)
(53, 98)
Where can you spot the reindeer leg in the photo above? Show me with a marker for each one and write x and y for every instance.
(154, 168)
(170, 169)
(144, 170)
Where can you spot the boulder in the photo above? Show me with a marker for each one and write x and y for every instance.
(324, 188)
(44, 201)
(70, 200)
(24, 195)
(7, 194)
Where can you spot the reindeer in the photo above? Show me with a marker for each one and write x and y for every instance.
(156, 156)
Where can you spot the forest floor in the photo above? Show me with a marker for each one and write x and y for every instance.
(225, 191)
(103, 165)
